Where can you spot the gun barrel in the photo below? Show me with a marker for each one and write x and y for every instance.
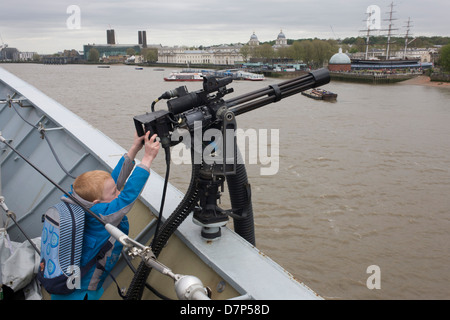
(274, 93)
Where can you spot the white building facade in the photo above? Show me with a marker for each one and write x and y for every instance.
(218, 55)
(223, 55)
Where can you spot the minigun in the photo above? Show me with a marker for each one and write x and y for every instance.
(218, 155)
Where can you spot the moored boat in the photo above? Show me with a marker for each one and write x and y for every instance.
(320, 94)
(235, 74)
(184, 76)
(252, 76)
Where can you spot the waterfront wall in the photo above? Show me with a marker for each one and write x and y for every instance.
(288, 75)
(441, 77)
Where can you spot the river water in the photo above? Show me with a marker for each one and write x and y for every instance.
(362, 184)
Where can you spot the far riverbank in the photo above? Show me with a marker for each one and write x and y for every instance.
(426, 81)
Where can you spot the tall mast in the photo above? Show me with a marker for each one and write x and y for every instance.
(367, 42)
(390, 29)
(408, 26)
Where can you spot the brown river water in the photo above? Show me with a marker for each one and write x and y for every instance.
(361, 183)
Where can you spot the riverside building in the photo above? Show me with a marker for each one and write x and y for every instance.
(218, 55)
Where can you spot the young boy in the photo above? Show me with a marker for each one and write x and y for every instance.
(100, 191)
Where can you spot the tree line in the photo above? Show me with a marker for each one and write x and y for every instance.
(313, 52)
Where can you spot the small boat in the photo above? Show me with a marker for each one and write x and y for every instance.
(139, 68)
(320, 94)
(184, 76)
(103, 67)
(252, 76)
(237, 74)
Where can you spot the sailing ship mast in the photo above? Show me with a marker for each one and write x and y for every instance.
(390, 29)
(367, 42)
(408, 26)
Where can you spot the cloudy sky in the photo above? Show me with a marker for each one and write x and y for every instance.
(46, 26)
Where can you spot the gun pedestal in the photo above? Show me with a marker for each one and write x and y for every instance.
(208, 214)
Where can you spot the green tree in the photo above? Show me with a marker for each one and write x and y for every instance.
(321, 51)
(360, 45)
(308, 52)
(264, 52)
(150, 54)
(131, 52)
(36, 57)
(245, 52)
(444, 59)
(297, 51)
(93, 55)
(284, 53)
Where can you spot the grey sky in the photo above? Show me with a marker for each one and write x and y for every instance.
(40, 25)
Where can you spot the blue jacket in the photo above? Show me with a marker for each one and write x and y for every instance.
(96, 236)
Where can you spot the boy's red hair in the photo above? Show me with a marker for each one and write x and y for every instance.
(90, 184)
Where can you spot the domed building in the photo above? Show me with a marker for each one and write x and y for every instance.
(281, 40)
(340, 62)
(253, 40)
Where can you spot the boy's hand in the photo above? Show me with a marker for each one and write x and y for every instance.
(136, 147)
(138, 141)
(152, 147)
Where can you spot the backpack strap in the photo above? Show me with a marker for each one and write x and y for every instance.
(72, 224)
(95, 261)
(99, 256)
